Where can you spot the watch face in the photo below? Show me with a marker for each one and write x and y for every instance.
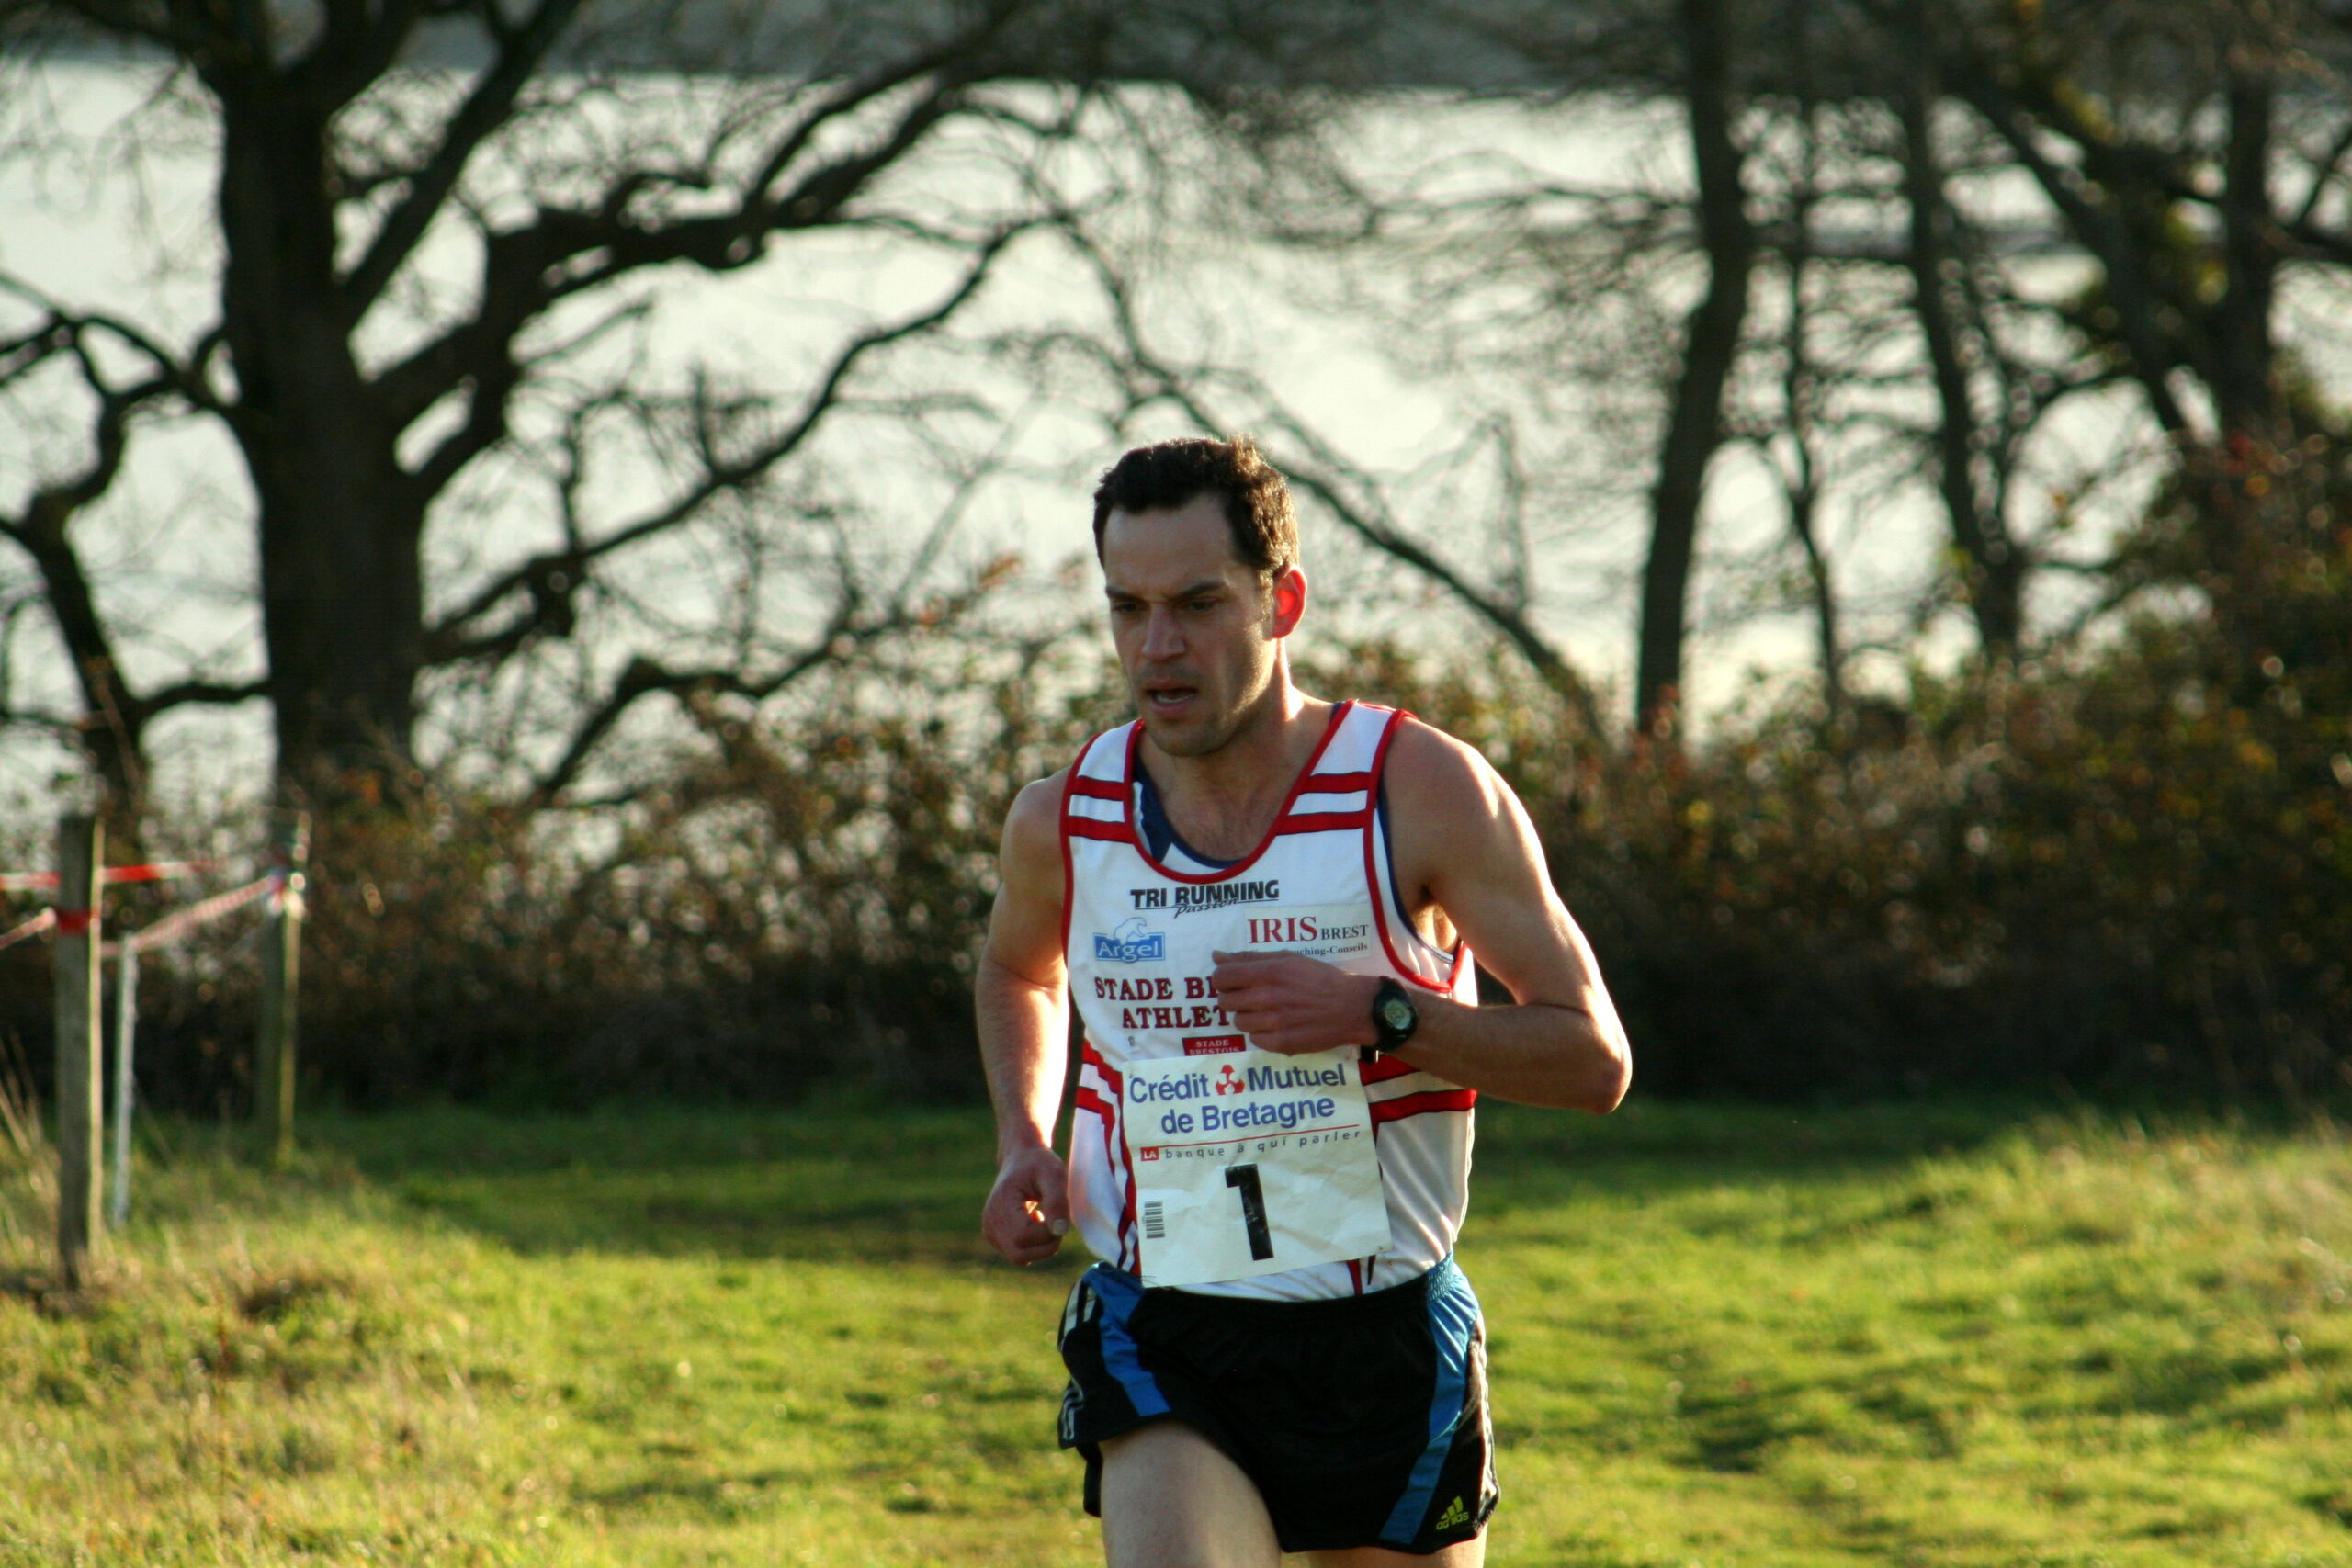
(1396, 1012)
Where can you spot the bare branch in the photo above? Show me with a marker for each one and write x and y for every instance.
(186, 377)
(552, 578)
(113, 718)
(520, 56)
(2324, 173)
(565, 251)
(209, 694)
(1321, 472)
(2101, 231)
(843, 637)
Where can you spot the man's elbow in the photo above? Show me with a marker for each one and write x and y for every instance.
(1607, 1063)
(1609, 1091)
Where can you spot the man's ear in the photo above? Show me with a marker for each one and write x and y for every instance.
(1288, 591)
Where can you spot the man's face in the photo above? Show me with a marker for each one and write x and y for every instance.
(1197, 634)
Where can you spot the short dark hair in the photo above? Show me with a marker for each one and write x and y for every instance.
(1171, 474)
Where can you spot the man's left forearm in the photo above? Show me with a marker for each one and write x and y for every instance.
(1537, 1053)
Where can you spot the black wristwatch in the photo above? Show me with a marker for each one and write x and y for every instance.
(1394, 1016)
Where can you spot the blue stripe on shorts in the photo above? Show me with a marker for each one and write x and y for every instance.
(1119, 1295)
(1453, 1320)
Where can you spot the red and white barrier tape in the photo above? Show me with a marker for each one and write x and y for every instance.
(154, 871)
(174, 926)
(30, 930)
(170, 929)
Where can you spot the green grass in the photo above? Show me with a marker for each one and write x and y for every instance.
(1720, 1337)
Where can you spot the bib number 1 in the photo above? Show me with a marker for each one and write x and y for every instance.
(1250, 1163)
(1253, 1210)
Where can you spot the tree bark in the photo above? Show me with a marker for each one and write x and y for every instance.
(1799, 383)
(340, 524)
(1711, 344)
(2245, 354)
(1996, 567)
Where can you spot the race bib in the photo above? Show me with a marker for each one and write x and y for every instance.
(1247, 1162)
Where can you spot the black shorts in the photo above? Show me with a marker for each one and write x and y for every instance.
(1362, 1421)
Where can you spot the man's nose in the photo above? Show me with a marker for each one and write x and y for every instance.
(1160, 638)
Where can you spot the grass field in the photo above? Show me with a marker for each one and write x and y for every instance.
(1720, 1337)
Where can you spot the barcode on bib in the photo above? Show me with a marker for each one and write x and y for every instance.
(1154, 1223)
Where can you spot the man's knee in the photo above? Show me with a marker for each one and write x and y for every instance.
(1173, 1499)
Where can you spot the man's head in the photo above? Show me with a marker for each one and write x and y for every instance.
(1250, 492)
(1200, 562)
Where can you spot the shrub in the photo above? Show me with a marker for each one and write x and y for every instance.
(2121, 872)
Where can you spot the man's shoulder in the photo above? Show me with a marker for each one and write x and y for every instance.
(1032, 827)
(1038, 806)
(1428, 771)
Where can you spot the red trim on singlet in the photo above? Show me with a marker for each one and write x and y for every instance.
(1325, 822)
(1429, 1099)
(1094, 1058)
(1340, 783)
(1114, 1152)
(1371, 880)
(1130, 1244)
(1297, 787)
(1115, 1156)
(1108, 832)
(1382, 1068)
(1098, 789)
(1061, 837)
(1087, 1100)
(1355, 1274)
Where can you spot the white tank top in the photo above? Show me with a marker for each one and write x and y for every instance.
(1137, 934)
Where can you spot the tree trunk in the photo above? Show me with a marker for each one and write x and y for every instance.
(1996, 567)
(113, 736)
(1798, 382)
(2245, 354)
(2257, 546)
(1711, 344)
(340, 524)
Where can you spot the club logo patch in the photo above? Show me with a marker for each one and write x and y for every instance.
(1214, 1044)
(1130, 943)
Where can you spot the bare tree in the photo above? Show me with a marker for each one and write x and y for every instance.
(346, 181)
(1711, 344)
(1222, 400)
(113, 719)
(2196, 153)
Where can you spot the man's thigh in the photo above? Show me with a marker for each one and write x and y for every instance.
(1173, 1499)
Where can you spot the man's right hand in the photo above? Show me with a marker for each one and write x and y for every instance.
(1027, 1213)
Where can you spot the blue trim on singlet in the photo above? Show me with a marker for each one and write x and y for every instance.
(1388, 854)
(1159, 836)
(1453, 1321)
(1119, 1293)
(1159, 833)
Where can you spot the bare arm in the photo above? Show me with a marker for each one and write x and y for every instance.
(1463, 842)
(1020, 997)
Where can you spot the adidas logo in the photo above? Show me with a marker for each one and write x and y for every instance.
(1455, 1514)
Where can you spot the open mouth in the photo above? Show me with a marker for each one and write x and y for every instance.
(1168, 699)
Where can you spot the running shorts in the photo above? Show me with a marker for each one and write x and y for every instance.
(1361, 1420)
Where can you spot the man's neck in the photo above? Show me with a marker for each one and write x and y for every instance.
(1223, 801)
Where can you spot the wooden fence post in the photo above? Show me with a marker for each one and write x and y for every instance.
(126, 1029)
(281, 969)
(80, 850)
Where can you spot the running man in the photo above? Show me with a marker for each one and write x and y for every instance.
(1263, 906)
